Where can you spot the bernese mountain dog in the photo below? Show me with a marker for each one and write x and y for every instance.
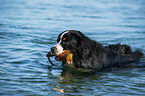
(89, 54)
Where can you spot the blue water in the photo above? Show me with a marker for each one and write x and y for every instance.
(29, 28)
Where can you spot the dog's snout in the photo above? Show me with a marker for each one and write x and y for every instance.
(53, 49)
(57, 49)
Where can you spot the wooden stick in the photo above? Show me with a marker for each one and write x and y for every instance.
(49, 55)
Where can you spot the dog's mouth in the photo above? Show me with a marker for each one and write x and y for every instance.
(66, 55)
(60, 58)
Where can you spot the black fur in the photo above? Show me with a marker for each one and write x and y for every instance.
(91, 54)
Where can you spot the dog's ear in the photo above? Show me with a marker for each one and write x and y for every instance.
(85, 52)
(82, 48)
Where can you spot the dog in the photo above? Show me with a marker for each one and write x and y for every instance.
(90, 54)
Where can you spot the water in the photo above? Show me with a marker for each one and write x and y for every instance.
(29, 28)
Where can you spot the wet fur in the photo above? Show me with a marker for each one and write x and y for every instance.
(90, 54)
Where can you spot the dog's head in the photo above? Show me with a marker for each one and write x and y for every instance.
(67, 40)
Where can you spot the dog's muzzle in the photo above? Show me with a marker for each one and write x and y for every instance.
(57, 49)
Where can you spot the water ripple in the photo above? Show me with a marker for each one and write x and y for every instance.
(28, 29)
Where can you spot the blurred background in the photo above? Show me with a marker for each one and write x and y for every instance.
(29, 28)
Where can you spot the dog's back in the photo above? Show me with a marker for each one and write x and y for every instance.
(119, 54)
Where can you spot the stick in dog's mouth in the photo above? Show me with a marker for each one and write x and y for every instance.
(65, 56)
(50, 54)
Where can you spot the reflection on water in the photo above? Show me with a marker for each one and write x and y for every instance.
(28, 29)
(71, 79)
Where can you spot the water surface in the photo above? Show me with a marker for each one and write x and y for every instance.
(28, 29)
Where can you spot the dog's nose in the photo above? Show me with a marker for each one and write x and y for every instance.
(53, 49)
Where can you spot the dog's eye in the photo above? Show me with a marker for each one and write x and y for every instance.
(64, 39)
